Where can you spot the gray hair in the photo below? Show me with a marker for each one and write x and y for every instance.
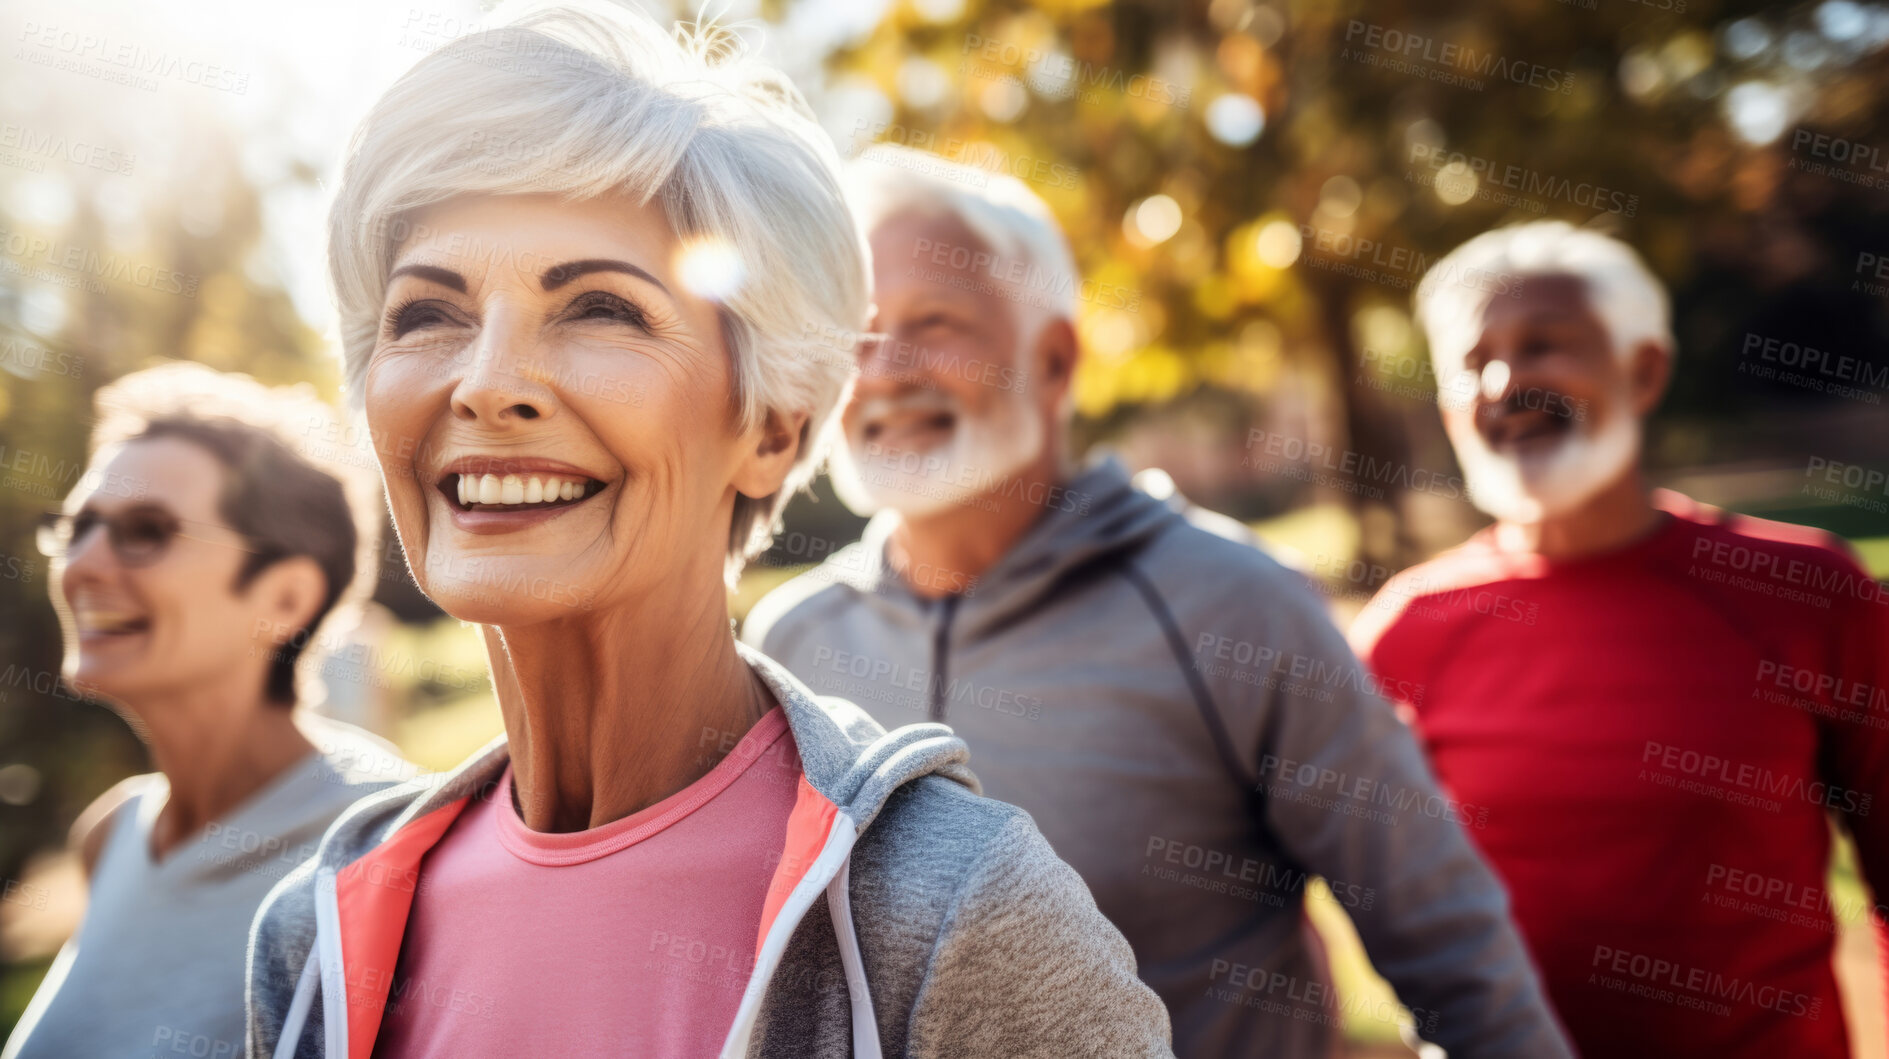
(1029, 253)
(1622, 292)
(586, 98)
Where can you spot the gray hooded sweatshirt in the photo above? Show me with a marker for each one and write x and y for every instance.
(1190, 732)
(922, 919)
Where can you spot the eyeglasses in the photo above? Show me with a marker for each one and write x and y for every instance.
(139, 535)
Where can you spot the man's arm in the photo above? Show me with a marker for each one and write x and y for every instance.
(1348, 794)
(1854, 750)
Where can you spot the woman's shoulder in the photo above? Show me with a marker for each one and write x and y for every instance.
(110, 810)
(965, 912)
(355, 757)
(937, 843)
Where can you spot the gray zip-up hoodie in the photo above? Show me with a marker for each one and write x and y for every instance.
(948, 927)
(1183, 722)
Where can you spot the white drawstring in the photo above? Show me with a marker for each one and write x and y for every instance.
(839, 902)
(298, 1008)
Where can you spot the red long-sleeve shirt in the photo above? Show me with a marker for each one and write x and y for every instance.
(1647, 745)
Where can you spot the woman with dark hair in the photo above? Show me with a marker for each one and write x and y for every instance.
(598, 292)
(190, 568)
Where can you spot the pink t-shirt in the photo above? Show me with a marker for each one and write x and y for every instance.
(634, 938)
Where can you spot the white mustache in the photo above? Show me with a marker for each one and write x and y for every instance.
(917, 402)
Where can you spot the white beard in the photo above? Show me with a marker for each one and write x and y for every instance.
(1529, 489)
(978, 456)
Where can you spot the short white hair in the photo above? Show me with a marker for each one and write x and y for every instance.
(1031, 263)
(1622, 292)
(588, 98)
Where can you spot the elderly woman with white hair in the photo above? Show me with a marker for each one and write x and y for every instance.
(585, 269)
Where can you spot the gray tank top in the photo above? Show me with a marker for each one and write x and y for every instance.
(157, 966)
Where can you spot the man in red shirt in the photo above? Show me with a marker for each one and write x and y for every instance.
(1655, 706)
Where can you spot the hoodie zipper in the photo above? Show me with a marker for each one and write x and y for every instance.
(941, 658)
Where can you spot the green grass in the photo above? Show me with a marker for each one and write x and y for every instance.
(17, 982)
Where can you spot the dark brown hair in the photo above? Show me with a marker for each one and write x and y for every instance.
(285, 502)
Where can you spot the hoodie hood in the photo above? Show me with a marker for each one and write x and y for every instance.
(367, 868)
(1099, 514)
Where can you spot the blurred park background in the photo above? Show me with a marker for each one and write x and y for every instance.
(1251, 187)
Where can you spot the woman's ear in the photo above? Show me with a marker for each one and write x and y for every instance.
(777, 445)
(288, 593)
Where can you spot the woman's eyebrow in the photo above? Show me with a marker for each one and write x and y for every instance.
(445, 277)
(558, 275)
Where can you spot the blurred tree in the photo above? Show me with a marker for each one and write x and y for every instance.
(1270, 180)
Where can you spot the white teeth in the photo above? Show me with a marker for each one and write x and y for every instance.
(460, 482)
(516, 489)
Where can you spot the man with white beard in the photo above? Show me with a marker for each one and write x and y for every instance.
(1172, 706)
(1658, 703)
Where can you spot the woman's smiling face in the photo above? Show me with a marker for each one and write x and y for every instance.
(544, 357)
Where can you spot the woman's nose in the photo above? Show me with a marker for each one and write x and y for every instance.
(504, 379)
